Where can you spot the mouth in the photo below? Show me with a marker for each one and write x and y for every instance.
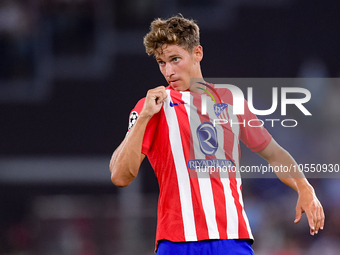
(173, 82)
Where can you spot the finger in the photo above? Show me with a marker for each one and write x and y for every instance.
(322, 224)
(164, 94)
(320, 218)
(160, 98)
(298, 215)
(317, 219)
(161, 94)
(158, 90)
(160, 87)
(310, 217)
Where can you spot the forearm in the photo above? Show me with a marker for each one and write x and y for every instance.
(126, 159)
(282, 161)
(293, 178)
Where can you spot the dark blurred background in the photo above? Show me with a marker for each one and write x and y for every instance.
(72, 70)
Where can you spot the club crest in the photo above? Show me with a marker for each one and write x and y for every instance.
(219, 108)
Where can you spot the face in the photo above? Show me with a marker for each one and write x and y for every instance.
(178, 65)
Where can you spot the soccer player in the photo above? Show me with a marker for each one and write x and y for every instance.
(197, 215)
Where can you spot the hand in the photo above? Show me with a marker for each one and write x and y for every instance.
(154, 101)
(309, 203)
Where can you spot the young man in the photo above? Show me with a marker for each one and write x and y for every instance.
(196, 215)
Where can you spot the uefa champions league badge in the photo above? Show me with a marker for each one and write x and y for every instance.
(132, 119)
(219, 108)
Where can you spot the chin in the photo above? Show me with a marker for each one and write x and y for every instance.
(180, 87)
(176, 88)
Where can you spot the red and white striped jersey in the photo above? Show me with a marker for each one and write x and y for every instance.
(193, 205)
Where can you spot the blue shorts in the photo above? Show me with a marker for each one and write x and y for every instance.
(208, 247)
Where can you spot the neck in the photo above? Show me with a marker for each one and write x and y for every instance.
(196, 85)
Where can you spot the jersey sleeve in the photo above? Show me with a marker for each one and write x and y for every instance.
(150, 128)
(253, 134)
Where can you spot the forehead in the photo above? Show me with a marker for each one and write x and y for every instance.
(169, 50)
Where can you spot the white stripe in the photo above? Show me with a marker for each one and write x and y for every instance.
(186, 98)
(204, 179)
(181, 170)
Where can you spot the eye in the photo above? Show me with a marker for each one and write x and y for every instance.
(176, 59)
(161, 63)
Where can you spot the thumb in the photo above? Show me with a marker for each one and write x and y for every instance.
(298, 215)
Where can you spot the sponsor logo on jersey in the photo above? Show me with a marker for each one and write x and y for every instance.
(174, 104)
(207, 138)
(206, 163)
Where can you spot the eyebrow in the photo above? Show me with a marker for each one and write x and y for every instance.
(173, 56)
(170, 57)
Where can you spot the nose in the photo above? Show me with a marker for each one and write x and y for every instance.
(169, 71)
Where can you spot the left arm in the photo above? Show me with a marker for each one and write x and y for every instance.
(307, 200)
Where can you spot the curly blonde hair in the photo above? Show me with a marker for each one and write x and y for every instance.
(176, 30)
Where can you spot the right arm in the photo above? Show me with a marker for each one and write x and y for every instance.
(127, 158)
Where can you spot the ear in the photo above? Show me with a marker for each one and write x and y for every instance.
(198, 53)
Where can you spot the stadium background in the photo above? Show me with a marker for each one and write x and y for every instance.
(71, 71)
